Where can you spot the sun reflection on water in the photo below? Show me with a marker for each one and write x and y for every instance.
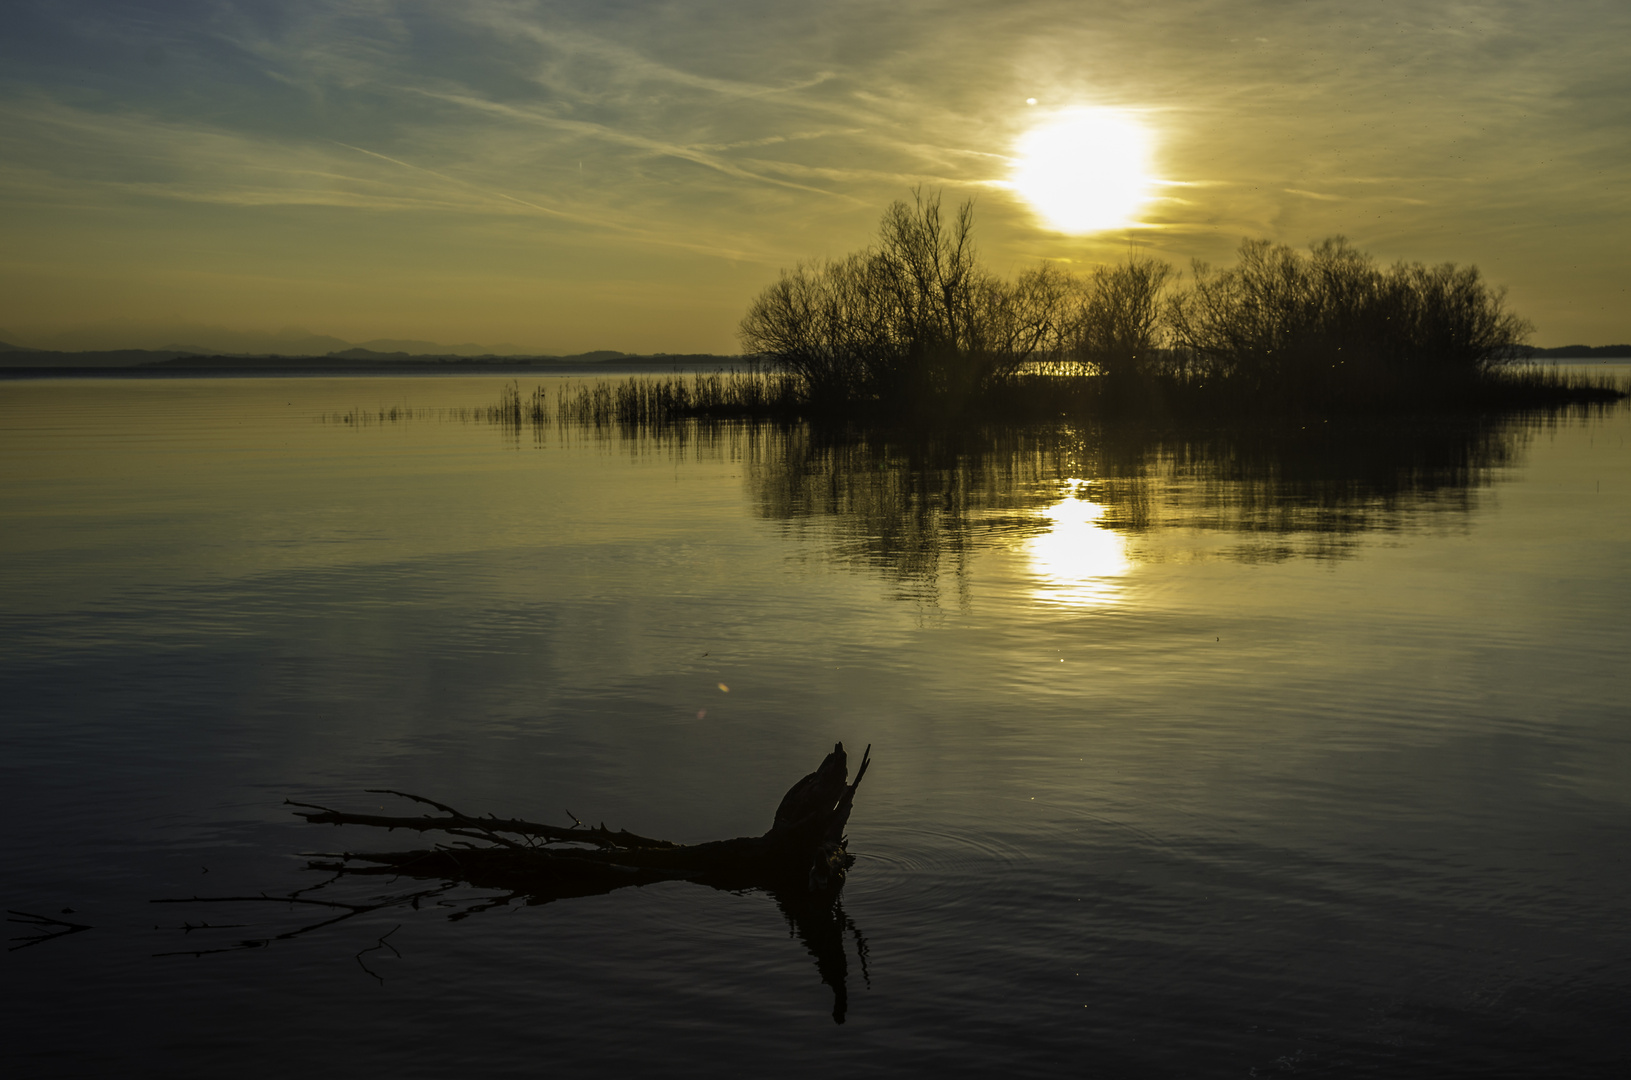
(1078, 561)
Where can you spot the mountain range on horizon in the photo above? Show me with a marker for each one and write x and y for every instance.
(219, 340)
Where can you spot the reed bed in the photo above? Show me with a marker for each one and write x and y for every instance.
(640, 401)
(649, 401)
(508, 411)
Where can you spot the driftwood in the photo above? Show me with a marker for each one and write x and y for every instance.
(805, 843)
(801, 861)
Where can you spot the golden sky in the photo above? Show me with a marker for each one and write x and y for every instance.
(622, 174)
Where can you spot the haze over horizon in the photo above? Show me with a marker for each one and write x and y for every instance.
(572, 176)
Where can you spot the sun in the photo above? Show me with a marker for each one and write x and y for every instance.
(1085, 170)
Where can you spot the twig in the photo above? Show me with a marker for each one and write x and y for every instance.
(348, 911)
(262, 898)
(44, 924)
(381, 943)
(489, 826)
(443, 807)
(485, 834)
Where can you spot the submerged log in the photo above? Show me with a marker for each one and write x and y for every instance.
(805, 846)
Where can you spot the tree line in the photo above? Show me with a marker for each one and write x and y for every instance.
(915, 317)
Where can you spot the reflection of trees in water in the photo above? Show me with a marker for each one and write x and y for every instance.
(917, 507)
(908, 509)
(1311, 491)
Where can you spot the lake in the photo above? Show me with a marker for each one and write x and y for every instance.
(1209, 754)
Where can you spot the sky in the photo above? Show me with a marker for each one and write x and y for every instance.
(628, 174)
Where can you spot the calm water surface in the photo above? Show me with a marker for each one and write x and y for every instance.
(1296, 754)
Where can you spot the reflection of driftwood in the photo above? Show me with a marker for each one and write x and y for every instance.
(820, 924)
(801, 861)
(46, 928)
(341, 909)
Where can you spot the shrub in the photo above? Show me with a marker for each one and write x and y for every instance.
(1330, 322)
(915, 317)
(1115, 323)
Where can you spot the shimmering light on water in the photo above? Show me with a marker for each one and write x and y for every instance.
(1077, 560)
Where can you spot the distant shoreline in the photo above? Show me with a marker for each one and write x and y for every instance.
(140, 364)
(23, 363)
(17, 365)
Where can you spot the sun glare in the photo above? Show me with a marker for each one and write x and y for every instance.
(1085, 170)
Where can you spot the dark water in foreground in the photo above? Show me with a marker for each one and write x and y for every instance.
(1304, 755)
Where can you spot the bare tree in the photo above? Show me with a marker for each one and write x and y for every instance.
(823, 323)
(913, 317)
(1117, 324)
(1330, 321)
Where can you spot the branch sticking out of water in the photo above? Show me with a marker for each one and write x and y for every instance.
(805, 841)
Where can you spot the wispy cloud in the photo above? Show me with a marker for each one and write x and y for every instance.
(729, 133)
(603, 132)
